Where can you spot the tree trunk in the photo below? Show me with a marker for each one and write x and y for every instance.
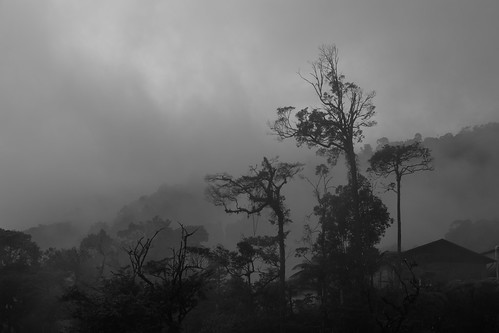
(324, 280)
(399, 232)
(101, 269)
(354, 183)
(399, 221)
(282, 271)
(358, 264)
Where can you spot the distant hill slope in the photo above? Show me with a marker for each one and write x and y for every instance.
(479, 236)
(182, 204)
(464, 185)
(187, 204)
(57, 235)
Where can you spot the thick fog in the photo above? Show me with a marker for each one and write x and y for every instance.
(104, 102)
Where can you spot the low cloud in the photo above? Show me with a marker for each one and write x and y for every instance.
(103, 102)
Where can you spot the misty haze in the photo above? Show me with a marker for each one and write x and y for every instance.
(263, 166)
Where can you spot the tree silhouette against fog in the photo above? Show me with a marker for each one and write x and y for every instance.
(400, 160)
(19, 289)
(250, 194)
(336, 125)
(147, 295)
(256, 263)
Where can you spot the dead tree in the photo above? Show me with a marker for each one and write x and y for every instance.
(175, 282)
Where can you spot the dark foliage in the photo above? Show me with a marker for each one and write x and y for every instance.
(146, 296)
(333, 128)
(250, 194)
(331, 264)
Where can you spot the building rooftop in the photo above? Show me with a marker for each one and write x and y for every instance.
(444, 251)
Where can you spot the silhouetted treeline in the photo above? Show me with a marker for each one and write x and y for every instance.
(157, 277)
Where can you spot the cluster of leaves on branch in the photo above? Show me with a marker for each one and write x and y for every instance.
(17, 251)
(329, 261)
(256, 261)
(401, 159)
(336, 218)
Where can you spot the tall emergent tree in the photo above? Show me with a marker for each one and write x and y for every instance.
(400, 160)
(250, 194)
(336, 125)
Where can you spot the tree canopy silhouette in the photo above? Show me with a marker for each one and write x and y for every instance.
(335, 126)
(250, 194)
(400, 160)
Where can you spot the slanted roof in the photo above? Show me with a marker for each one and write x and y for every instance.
(444, 251)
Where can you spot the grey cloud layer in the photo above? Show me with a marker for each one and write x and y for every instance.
(100, 103)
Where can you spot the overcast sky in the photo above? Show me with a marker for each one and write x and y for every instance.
(102, 101)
